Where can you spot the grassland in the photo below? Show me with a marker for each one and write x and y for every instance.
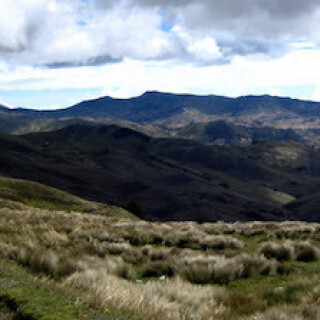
(66, 258)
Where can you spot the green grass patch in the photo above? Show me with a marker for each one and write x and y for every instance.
(41, 300)
(286, 288)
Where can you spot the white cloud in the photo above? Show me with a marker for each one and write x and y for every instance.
(244, 75)
(54, 32)
(74, 32)
(226, 47)
(201, 48)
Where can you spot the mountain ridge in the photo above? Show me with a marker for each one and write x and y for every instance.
(164, 114)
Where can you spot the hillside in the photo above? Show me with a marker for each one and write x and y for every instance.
(24, 194)
(308, 206)
(158, 179)
(287, 155)
(159, 114)
(175, 109)
(223, 133)
(61, 256)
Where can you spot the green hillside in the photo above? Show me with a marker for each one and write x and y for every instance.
(20, 194)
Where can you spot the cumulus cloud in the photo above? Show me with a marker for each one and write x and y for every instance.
(75, 33)
(63, 33)
(242, 27)
(130, 46)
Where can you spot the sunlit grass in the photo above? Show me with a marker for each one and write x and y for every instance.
(146, 270)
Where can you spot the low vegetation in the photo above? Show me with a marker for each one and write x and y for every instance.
(126, 268)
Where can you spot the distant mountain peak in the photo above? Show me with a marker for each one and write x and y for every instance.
(3, 107)
(155, 93)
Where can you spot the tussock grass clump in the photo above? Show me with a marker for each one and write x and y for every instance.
(120, 268)
(104, 248)
(300, 251)
(156, 253)
(222, 270)
(142, 236)
(278, 251)
(279, 230)
(254, 265)
(133, 256)
(117, 248)
(47, 262)
(307, 252)
(110, 265)
(171, 299)
(157, 269)
(55, 239)
(221, 243)
(105, 236)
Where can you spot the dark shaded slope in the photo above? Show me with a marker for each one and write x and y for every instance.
(299, 160)
(224, 133)
(164, 179)
(307, 207)
(288, 156)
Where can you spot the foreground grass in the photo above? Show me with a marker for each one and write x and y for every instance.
(55, 261)
(27, 297)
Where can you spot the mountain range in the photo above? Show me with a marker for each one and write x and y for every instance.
(208, 119)
(174, 157)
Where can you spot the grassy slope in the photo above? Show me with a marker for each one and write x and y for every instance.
(17, 192)
(24, 296)
(31, 293)
(28, 298)
(39, 295)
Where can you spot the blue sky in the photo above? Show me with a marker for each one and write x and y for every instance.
(46, 98)
(55, 53)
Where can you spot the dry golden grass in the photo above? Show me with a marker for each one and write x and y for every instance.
(170, 299)
(179, 270)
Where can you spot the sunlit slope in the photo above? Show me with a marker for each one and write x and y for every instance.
(17, 193)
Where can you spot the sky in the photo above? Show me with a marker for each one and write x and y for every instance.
(55, 53)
